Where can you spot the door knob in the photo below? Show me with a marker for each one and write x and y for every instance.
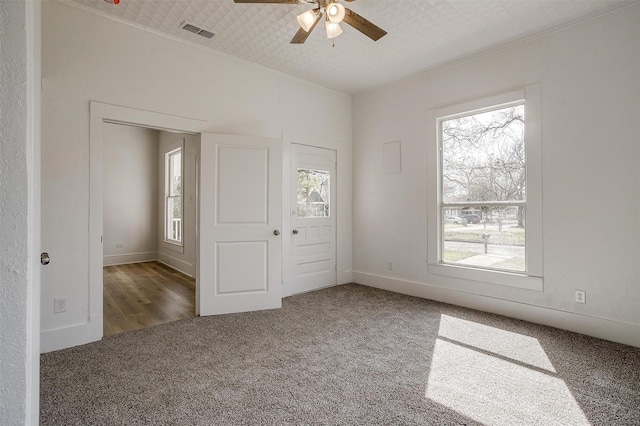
(295, 232)
(276, 232)
(44, 258)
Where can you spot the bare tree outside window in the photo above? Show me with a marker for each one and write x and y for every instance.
(313, 193)
(484, 189)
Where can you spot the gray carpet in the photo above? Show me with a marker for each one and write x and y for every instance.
(345, 355)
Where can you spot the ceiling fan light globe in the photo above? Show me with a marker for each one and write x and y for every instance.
(307, 19)
(333, 30)
(335, 12)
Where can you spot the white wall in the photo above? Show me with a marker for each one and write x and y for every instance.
(590, 82)
(130, 191)
(87, 57)
(19, 212)
(182, 258)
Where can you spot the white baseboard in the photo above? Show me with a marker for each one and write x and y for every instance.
(171, 261)
(66, 337)
(96, 323)
(615, 331)
(287, 288)
(80, 334)
(345, 277)
(123, 259)
(177, 264)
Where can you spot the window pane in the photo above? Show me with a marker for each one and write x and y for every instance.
(483, 156)
(313, 193)
(175, 174)
(486, 237)
(174, 218)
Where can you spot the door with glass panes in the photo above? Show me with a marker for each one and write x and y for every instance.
(313, 218)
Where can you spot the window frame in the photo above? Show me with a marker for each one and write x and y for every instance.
(532, 278)
(167, 189)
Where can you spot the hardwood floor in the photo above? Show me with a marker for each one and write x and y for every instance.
(142, 295)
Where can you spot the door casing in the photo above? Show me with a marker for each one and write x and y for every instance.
(317, 159)
(100, 114)
(344, 205)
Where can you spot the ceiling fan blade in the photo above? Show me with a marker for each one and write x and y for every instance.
(302, 35)
(363, 25)
(268, 1)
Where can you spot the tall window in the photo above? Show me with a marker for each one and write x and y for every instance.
(173, 196)
(485, 185)
(483, 188)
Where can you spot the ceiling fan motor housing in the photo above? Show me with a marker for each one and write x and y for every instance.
(336, 14)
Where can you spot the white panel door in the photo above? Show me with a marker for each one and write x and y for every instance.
(239, 261)
(313, 218)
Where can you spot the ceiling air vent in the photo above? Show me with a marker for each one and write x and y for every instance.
(196, 30)
(205, 33)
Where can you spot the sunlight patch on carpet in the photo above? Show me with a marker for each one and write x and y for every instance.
(498, 377)
(517, 347)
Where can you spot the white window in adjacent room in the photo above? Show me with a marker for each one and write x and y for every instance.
(487, 213)
(173, 197)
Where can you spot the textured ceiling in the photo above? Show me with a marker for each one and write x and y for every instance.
(422, 34)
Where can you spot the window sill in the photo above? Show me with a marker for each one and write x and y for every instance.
(508, 279)
(173, 246)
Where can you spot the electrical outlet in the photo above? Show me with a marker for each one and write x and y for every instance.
(59, 305)
(390, 265)
(119, 245)
(581, 296)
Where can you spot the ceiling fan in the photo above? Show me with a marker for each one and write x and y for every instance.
(335, 14)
